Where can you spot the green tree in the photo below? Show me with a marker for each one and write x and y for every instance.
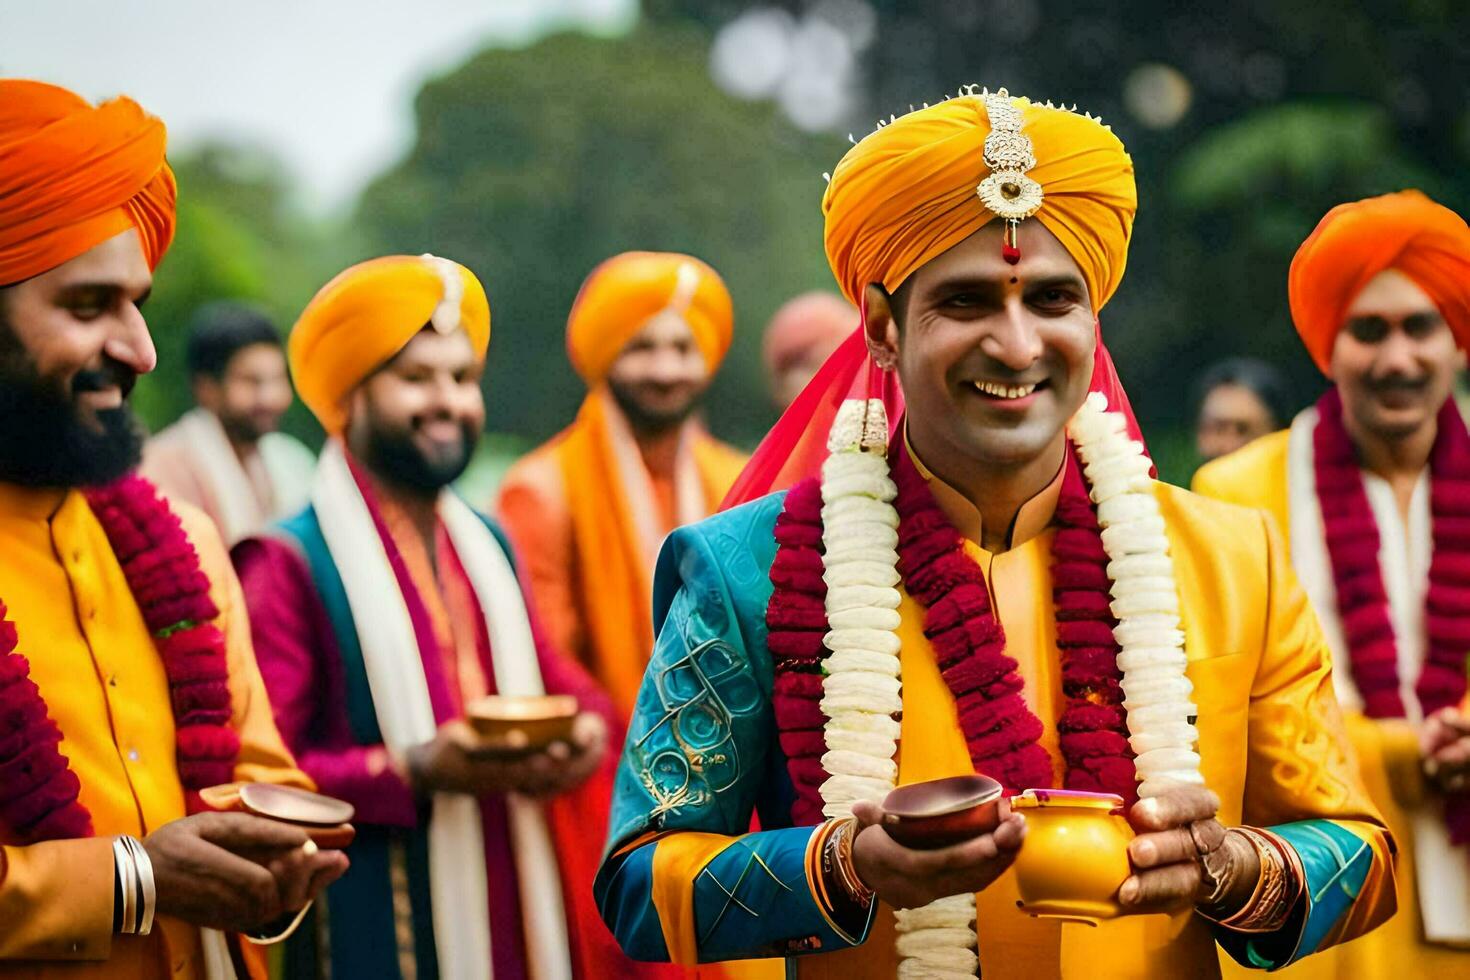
(532, 166)
(238, 237)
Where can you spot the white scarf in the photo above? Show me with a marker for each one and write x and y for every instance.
(1404, 552)
(459, 894)
(239, 512)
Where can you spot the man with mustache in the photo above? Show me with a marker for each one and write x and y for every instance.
(382, 611)
(973, 571)
(127, 681)
(226, 456)
(589, 509)
(1372, 488)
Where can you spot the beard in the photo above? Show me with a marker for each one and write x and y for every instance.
(393, 455)
(646, 419)
(245, 429)
(45, 441)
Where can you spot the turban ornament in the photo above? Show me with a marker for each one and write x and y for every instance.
(1008, 192)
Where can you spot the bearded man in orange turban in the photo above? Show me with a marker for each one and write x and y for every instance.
(128, 686)
(1371, 487)
(589, 509)
(983, 583)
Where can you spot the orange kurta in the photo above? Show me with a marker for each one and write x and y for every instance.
(571, 517)
(98, 670)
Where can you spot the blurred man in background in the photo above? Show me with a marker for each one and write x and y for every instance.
(137, 689)
(1240, 399)
(385, 609)
(589, 510)
(800, 337)
(1372, 488)
(225, 456)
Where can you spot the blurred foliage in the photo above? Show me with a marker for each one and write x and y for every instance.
(240, 238)
(533, 166)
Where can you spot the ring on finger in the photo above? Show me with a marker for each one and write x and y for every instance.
(309, 848)
(1200, 845)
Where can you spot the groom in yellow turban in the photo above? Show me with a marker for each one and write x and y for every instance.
(589, 509)
(983, 579)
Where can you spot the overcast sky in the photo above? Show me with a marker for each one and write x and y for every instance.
(325, 84)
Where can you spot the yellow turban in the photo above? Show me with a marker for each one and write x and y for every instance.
(366, 315)
(627, 290)
(907, 193)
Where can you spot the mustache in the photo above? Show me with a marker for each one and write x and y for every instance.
(1397, 382)
(111, 374)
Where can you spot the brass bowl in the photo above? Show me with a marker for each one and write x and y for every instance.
(942, 812)
(1075, 855)
(327, 821)
(539, 720)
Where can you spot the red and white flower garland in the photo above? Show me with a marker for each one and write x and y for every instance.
(1123, 670)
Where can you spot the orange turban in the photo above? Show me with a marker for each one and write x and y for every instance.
(907, 193)
(1406, 231)
(357, 322)
(627, 290)
(73, 175)
(816, 320)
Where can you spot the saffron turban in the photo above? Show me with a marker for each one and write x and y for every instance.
(907, 193)
(1354, 242)
(816, 320)
(73, 175)
(625, 292)
(362, 318)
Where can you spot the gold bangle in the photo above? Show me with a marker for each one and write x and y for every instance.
(1276, 888)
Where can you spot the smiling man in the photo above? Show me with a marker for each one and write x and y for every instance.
(225, 456)
(1371, 487)
(127, 681)
(1007, 592)
(589, 509)
(381, 612)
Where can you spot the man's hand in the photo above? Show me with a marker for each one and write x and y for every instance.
(460, 761)
(235, 871)
(1174, 830)
(1444, 742)
(907, 878)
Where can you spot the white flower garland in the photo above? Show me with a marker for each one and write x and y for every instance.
(862, 690)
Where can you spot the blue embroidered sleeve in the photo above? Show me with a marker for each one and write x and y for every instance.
(682, 879)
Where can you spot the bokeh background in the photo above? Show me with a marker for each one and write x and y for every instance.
(530, 139)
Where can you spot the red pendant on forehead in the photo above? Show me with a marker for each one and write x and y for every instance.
(1010, 247)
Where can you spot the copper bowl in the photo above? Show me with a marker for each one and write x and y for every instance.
(532, 722)
(942, 812)
(326, 820)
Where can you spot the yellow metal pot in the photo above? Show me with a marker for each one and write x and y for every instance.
(1075, 855)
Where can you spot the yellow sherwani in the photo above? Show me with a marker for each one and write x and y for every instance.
(1272, 743)
(103, 681)
(1259, 476)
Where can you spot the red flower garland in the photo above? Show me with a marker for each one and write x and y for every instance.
(1000, 731)
(1352, 539)
(1351, 534)
(40, 792)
